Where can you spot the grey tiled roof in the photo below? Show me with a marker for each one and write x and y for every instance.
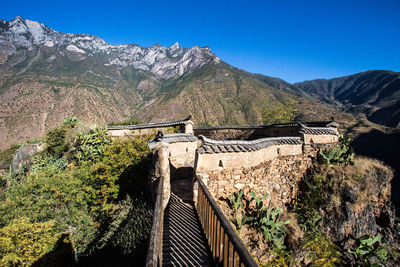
(318, 130)
(174, 138)
(151, 125)
(282, 125)
(179, 138)
(215, 146)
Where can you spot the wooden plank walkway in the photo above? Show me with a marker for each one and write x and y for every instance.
(184, 242)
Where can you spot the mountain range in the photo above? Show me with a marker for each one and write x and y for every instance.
(46, 75)
(375, 93)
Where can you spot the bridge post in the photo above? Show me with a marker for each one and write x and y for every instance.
(163, 169)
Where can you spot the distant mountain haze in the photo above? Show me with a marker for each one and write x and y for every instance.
(46, 75)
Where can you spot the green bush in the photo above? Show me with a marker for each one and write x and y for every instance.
(280, 112)
(103, 176)
(268, 222)
(342, 155)
(265, 220)
(22, 243)
(89, 146)
(42, 162)
(55, 140)
(130, 226)
(50, 195)
(70, 121)
(83, 197)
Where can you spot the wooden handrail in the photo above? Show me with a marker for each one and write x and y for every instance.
(154, 252)
(226, 247)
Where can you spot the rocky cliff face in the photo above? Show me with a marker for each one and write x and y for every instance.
(46, 75)
(163, 62)
(360, 205)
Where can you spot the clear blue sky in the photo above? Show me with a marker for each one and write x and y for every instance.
(293, 40)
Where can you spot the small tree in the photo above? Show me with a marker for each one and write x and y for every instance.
(280, 112)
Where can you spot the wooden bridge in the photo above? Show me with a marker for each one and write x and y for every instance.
(185, 233)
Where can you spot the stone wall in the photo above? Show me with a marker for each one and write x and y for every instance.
(214, 162)
(320, 139)
(182, 154)
(278, 177)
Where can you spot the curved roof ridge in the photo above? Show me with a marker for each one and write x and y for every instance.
(318, 130)
(207, 140)
(152, 124)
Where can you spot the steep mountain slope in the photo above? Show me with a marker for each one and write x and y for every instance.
(375, 93)
(46, 75)
(224, 95)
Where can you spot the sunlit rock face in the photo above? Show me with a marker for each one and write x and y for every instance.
(163, 62)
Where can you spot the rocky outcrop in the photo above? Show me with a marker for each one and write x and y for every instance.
(361, 204)
(24, 155)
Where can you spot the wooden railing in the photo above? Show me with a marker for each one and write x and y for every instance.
(154, 252)
(226, 247)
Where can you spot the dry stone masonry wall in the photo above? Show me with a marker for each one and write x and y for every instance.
(278, 177)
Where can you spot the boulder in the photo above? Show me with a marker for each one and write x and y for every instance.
(24, 155)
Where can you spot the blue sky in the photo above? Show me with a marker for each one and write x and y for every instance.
(292, 40)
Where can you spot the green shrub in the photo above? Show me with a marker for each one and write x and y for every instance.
(42, 162)
(272, 227)
(22, 243)
(342, 155)
(280, 113)
(264, 220)
(118, 158)
(89, 146)
(56, 144)
(313, 194)
(282, 258)
(130, 226)
(50, 195)
(70, 121)
(83, 197)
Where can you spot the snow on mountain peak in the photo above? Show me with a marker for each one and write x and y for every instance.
(163, 62)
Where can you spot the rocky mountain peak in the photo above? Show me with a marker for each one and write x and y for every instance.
(163, 62)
